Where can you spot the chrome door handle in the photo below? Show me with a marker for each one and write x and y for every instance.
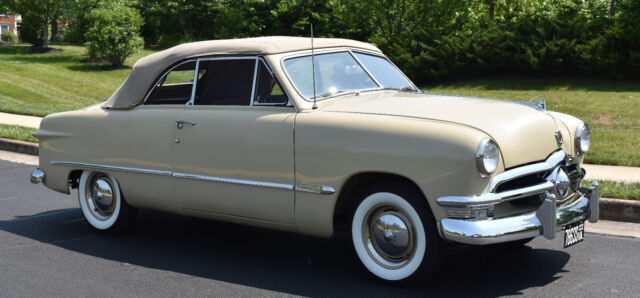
(180, 123)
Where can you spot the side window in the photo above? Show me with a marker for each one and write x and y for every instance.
(268, 91)
(225, 82)
(175, 87)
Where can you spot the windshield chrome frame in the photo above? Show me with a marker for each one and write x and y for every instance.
(350, 51)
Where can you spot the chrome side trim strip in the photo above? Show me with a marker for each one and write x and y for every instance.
(546, 165)
(311, 188)
(110, 168)
(234, 181)
(319, 189)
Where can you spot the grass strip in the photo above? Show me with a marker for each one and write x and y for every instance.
(17, 132)
(617, 190)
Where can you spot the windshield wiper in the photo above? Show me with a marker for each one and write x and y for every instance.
(334, 93)
(405, 88)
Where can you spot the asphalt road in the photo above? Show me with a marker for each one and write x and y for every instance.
(46, 249)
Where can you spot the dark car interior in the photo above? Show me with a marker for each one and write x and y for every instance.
(220, 82)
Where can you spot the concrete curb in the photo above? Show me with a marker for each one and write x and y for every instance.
(19, 146)
(620, 210)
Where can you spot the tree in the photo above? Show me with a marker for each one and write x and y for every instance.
(44, 11)
(612, 9)
(114, 33)
(75, 17)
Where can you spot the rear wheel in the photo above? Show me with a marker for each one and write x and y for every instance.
(394, 234)
(102, 203)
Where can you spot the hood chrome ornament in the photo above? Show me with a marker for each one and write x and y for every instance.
(542, 104)
(559, 138)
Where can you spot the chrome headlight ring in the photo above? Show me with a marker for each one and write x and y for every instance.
(487, 157)
(582, 138)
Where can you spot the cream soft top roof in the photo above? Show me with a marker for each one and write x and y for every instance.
(147, 69)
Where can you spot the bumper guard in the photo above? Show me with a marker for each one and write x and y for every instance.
(37, 176)
(549, 219)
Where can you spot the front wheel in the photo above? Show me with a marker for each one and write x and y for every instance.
(395, 236)
(102, 203)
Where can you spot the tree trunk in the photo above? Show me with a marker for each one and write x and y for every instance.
(612, 10)
(492, 9)
(54, 29)
(45, 34)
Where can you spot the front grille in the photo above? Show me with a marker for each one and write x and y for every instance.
(521, 182)
(519, 206)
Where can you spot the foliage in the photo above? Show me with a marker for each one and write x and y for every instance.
(41, 12)
(8, 36)
(30, 30)
(75, 16)
(430, 40)
(114, 33)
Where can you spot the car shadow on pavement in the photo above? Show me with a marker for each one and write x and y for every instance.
(284, 262)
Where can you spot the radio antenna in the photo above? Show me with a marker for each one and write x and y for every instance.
(313, 70)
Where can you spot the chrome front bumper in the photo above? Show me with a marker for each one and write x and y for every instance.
(546, 221)
(37, 176)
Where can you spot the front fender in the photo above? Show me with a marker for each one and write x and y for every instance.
(330, 147)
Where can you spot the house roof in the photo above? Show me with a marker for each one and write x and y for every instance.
(147, 69)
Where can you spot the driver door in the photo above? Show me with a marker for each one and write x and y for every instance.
(233, 158)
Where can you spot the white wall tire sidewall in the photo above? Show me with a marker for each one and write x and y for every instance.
(356, 235)
(96, 223)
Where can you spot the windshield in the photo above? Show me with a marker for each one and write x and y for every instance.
(340, 72)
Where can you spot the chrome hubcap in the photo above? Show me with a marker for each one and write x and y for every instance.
(388, 236)
(99, 196)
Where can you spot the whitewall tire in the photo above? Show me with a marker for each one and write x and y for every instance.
(394, 236)
(102, 203)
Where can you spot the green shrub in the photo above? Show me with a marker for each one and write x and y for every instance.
(114, 33)
(31, 30)
(8, 36)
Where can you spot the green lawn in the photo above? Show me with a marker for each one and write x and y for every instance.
(17, 133)
(611, 108)
(618, 190)
(41, 84)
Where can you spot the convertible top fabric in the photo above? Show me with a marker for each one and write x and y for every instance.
(147, 69)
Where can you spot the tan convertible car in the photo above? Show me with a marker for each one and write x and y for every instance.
(272, 133)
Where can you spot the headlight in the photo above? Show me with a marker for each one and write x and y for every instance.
(583, 138)
(487, 157)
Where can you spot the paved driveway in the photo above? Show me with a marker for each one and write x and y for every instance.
(47, 249)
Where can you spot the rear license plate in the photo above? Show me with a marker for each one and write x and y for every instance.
(573, 234)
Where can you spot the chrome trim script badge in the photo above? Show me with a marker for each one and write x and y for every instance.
(559, 138)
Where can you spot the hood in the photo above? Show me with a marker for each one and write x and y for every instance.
(523, 132)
